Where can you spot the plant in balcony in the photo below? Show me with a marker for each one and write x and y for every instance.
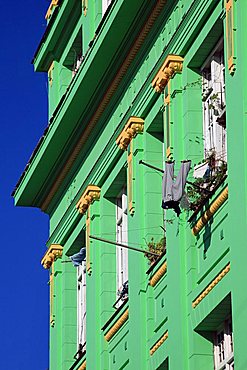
(156, 247)
(213, 176)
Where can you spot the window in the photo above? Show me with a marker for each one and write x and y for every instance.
(105, 4)
(121, 237)
(223, 347)
(214, 106)
(81, 306)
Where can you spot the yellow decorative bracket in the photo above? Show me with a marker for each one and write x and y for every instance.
(91, 194)
(131, 129)
(210, 211)
(53, 4)
(158, 275)
(159, 343)
(211, 286)
(120, 322)
(172, 65)
(54, 251)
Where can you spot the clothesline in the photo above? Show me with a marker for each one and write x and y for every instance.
(160, 170)
(123, 245)
(140, 244)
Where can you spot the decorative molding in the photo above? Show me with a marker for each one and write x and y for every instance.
(130, 180)
(83, 366)
(118, 324)
(85, 7)
(106, 99)
(213, 208)
(51, 283)
(230, 30)
(172, 65)
(159, 343)
(53, 4)
(158, 274)
(133, 127)
(88, 262)
(50, 73)
(211, 286)
(91, 194)
(167, 120)
(54, 251)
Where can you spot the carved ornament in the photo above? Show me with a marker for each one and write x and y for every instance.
(91, 194)
(53, 4)
(158, 275)
(172, 65)
(133, 127)
(120, 322)
(211, 286)
(53, 252)
(159, 343)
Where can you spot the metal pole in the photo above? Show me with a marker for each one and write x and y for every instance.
(123, 245)
(151, 166)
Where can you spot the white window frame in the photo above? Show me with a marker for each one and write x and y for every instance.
(81, 306)
(214, 104)
(121, 237)
(105, 4)
(223, 349)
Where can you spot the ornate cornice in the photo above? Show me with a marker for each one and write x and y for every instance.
(53, 4)
(91, 194)
(53, 252)
(138, 43)
(211, 286)
(158, 274)
(83, 366)
(118, 324)
(159, 343)
(133, 127)
(217, 203)
(172, 65)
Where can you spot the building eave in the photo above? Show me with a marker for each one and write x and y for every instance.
(39, 174)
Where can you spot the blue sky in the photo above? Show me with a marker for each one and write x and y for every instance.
(24, 291)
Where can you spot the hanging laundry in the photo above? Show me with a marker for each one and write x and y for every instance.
(173, 191)
(77, 258)
(202, 171)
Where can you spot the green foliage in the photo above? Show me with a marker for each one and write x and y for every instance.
(156, 247)
(197, 196)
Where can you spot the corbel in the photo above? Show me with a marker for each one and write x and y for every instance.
(133, 127)
(53, 4)
(173, 64)
(91, 194)
(54, 252)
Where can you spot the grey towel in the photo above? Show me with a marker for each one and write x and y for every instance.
(172, 191)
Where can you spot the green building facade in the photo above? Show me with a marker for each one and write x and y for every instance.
(158, 82)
